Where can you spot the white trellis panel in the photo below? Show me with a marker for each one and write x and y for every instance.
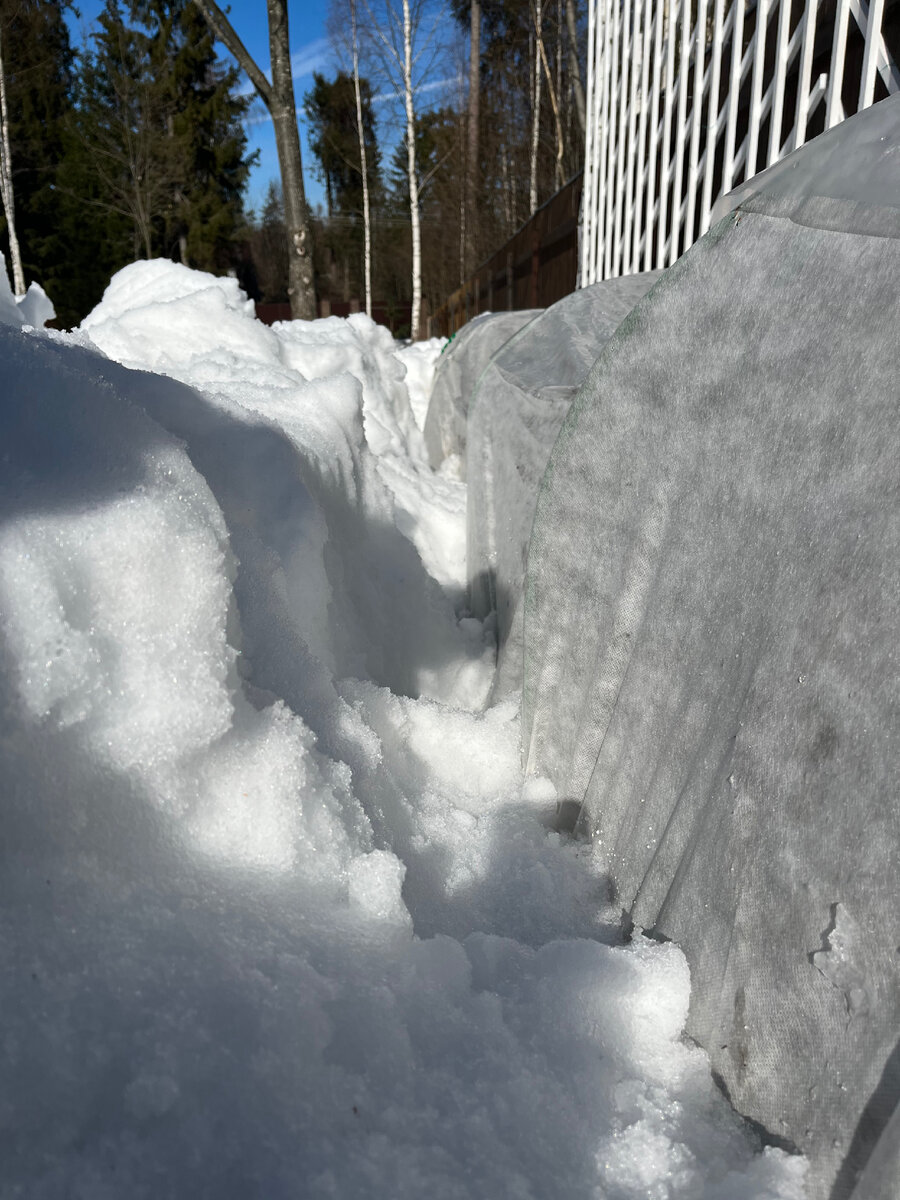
(689, 98)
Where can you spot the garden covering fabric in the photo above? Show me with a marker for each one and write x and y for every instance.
(712, 622)
(519, 405)
(457, 374)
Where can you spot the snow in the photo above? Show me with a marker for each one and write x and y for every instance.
(420, 358)
(34, 308)
(280, 916)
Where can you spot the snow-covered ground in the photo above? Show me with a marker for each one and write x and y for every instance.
(281, 917)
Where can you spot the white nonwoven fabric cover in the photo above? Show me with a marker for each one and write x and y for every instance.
(845, 178)
(519, 405)
(712, 621)
(457, 373)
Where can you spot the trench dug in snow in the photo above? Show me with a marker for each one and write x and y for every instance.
(282, 918)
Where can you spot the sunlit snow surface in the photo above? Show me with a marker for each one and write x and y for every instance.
(279, 918)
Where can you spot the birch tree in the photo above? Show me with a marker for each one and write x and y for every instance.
(538, 14)
(278, 97)
(473, 158)
(351, 45)
(416, 316)
(6, 186)
(363, 161)
(405, 46)
(552, 92)
(574, 69)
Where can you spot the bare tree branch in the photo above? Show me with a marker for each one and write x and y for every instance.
(278, 97)
(224, 31)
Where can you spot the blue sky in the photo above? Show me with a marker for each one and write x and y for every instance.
(310, 50)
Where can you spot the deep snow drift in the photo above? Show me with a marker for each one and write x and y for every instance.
(280, 918)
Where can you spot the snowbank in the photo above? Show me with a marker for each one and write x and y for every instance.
(281, 918)
(419, 359)
(712, 619)
(34, 308)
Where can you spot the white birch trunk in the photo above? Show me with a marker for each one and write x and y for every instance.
(473, 160)
(573, 63)
(367, 225)
(551, 90)
(536, 122)
(6, 187)
(411, 170)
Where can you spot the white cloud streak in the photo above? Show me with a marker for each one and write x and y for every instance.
(311, 57)
(421, 89)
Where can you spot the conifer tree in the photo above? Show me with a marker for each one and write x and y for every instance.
(269, 248)
(203, 139)
(38, 68)
(121, 118)
(330, 108)
(161, 126)
(333, 123)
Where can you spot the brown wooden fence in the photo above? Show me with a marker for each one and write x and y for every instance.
(536, 267)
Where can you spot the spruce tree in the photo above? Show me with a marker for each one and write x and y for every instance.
(39, 62)
(125, 169)
(203, 139)
(269, 248)
(161, 132)
(333, 137)
(330, 108)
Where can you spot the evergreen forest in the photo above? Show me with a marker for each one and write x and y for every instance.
(135, 146)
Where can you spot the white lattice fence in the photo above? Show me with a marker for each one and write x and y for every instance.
(689, 98)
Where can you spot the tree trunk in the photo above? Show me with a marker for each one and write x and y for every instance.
(473, 163)
(411, 170)
(6, 186)
(367, 225)
(574, 69)
(560, 178)
(536, 111)
(278, 98)
(178, 197)
(301, 289)
(463, 256)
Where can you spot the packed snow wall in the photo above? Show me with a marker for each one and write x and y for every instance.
(519, 404)
(457, 374)
(712, 622)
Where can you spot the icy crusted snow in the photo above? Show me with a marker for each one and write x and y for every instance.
(280, 917)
